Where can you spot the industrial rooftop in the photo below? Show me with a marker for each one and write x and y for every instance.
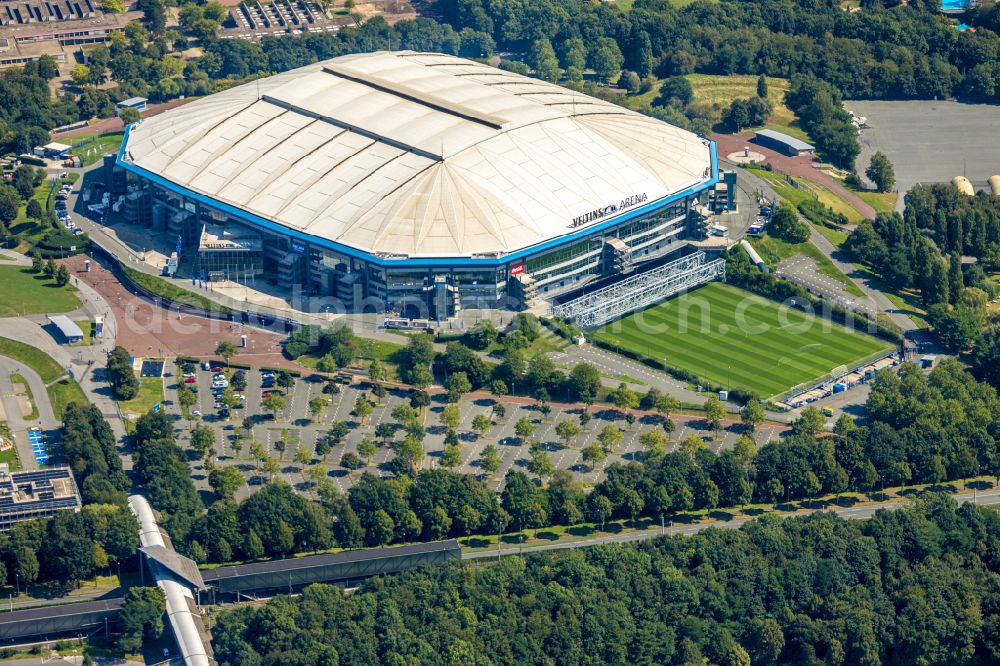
(416, 154)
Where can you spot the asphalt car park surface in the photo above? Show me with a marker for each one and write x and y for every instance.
(299, 429)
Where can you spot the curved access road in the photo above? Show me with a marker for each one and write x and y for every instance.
(18, 424)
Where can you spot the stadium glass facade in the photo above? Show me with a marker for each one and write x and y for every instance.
(353, 281)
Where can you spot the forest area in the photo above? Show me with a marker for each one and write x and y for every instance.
(918, 585)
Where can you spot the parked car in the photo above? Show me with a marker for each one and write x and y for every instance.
(206, 366)
(216, 368)
(190, 380)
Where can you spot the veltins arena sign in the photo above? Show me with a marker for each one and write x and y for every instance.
(611, 209)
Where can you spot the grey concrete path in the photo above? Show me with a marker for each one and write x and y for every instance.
(19, 425)
(987, 497)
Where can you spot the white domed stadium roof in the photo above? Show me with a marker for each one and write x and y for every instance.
(418, 154)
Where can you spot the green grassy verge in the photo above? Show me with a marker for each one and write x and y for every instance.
(62, 393)
(87, 327)
(835, 237)
(733, 338)
(774, 250)
(150, 393)
(881, 202)
(92, 148)
(23, 292)
(908, 304)
(165, 289)
(37, 360)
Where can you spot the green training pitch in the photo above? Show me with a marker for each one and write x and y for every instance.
(733, 338)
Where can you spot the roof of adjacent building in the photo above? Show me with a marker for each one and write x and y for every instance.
(66, 326)
(31, 491)
(791, 141)
(133, 101)
(417, 154)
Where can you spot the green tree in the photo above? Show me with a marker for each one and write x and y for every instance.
(451, 457)
(624, 398)
(786, 226)
(543, 58)
(585, 382)
(489, 459)
(203, 441)
(609, 437)
(607, 60)
(567, 431)
(654, 441)
(481, 424)
(141, 617)
(34, 210)
(366, 449)
(316, 407)
(715, 411)
(540, 464)
(881, 173)
(762, 86)
(274, 403)
(458, 385)
(524, 429)
(226, 481)
(752, 414)
(450, 417)
(593, 454)
(810, 422)
(186, 398)
(363, 408)
(226, 350)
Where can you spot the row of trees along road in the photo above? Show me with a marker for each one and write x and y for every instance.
(919, 585)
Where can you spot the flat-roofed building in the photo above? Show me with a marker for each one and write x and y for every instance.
(35, 494)
(68, 329)
(783, 143)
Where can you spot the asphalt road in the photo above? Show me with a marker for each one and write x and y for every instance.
(18, 425)
(847, 513)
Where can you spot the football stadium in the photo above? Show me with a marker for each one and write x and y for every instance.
(422, 184)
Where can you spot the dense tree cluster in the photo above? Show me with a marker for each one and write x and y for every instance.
(818, 106)
(916, 585)
(923, 248)
(69, 547)
(163, 472)
(121, 376)
(335, 347)
(88, 445)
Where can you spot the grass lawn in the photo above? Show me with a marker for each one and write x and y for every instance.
(87, 327)
(731, 337)
(808, 190)
(37, 360)
(93, 147)
(163, 288)
(10, 458)
(150, 393)
(773, 250)
(881, 202)
(23, 292)
(62, 393)
(719, 91)
(832, 235)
